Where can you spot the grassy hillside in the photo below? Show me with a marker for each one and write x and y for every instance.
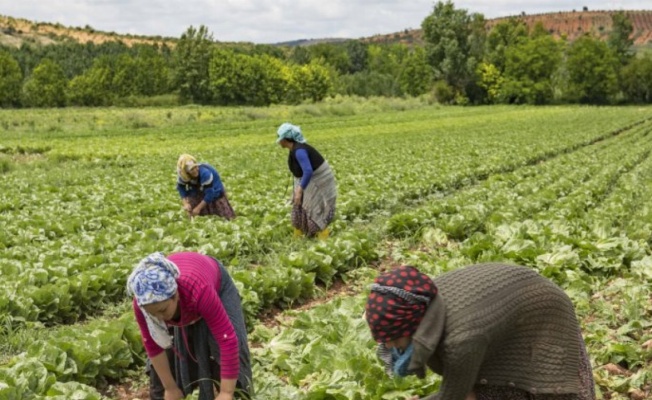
(571, 24)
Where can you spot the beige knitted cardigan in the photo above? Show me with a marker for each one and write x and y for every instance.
(494, 324)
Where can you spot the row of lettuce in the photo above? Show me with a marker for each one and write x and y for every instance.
(590, 232)
(78, 227)
(473, 203)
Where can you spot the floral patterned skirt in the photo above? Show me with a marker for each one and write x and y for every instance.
(302, 221)
(219, 206)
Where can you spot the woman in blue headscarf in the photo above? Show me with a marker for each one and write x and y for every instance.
(192, 296)
(315, 192)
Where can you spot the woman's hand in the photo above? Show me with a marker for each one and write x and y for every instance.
(197, 210)
(173, 394)
(298, 195)
(227, 389)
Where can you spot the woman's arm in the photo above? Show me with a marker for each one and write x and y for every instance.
(158, 357)
(212, 184)
(306, 167)
(461, 370)
(162, 367)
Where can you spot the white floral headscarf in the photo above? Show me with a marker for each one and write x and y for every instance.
(152, 281)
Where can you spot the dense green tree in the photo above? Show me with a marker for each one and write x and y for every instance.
(46, 87)
(300, 55)
(502, 36)
(93, 88)
(591, 68)
(491, 80)
(367, 84)
(333, 54)
(11, 80)
(152, 72)
(307, 82)
(266, 81)
(125, 76)
(358, 55)
(636, 80)
(619, 39)
(244, 79)
(454, 45)
(530, 66)
(416, 77)
(386, 64)
(224, 73)
(387, 59)
(191, 64)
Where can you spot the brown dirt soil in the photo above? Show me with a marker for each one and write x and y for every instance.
(43, 32)
(127, 390)
(568, 24)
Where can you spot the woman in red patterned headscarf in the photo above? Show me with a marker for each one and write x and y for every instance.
(492, 331)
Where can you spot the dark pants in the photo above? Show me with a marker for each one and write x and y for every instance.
(156, 390)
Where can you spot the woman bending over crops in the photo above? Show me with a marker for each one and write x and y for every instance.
(192, 296)
(493, 331)
(315, 192)
(201, 189)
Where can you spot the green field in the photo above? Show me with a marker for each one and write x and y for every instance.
(86, 193)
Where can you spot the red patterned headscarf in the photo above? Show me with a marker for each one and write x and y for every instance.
(398, 302)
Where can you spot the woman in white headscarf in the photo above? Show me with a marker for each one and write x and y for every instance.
(193, 294)
(315, 192)
(201, 189)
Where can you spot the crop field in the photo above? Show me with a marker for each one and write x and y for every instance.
(86, 193)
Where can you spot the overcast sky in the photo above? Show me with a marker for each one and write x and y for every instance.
(273, 21)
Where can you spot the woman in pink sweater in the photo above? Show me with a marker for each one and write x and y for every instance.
(191, 296)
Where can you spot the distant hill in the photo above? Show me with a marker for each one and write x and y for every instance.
(16, 31)
(570, 24)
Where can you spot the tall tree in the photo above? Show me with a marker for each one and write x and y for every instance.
(619, 39)
(93, 88)
(46, 87)
(191, 64)
(152, 72)
(357, 56)
(416, 77)
(11, 80)
(529, 69)
(448, 33)
(333, 54)
(636, 80)
(501, 37)
(591, 68)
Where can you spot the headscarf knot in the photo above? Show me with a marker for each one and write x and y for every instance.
(397, 303)
(289, 131)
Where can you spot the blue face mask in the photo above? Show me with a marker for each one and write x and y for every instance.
(401, 360)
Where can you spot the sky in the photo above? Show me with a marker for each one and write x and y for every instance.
(274, 21)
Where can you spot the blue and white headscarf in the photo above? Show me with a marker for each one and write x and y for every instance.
(289, 131)
(154, 280)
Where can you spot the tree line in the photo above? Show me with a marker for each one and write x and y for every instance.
(460, 62)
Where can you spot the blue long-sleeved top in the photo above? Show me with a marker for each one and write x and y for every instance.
(208, 182)
(306, 167)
